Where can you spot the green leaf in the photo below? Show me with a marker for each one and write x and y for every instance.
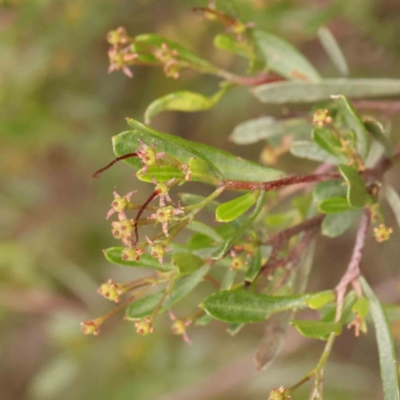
(283, 58)
(154, 40)
(201, 170)
(336, 224)
(191, 199)
(113, 254)
(187, 263)
(333, 50)
(357, 194)
(145, 306)
(228, 43)
(200, 227)
(235, 208)
(334, 205)
(184, 101)
(245, 307)
(326, 139)
(346, 317)
(254, 265)
(222, 164)
(161, 174)
(387, 354)
(317, 329)
(311, 92)
(327, 189)
(229, 279)
(204, 320)
(242, 229)
(353, 122)
(393, 199)
(361, 307)
(376, 129)
(318, 300)
(311, 151)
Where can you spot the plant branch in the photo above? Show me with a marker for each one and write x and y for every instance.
(353, 269)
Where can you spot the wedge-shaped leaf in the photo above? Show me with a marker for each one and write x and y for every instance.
(353, 122)
(328, 189)
(242, 229)
(311, 151)
(333, 50)
(113, 254)
(187, 263)
(317, 329)
(334, 205)
(232, 209)
(283, 58)
(311, 92)
(244, 307)
(393, 199)
(156, 41)
(254, 265)
(357, 194)
(318, 300)
(229, 43)
(326, 139)
(222, 164)
(336, 224)
(387, 354)
(184, 101)
(145, 306)
(376, 129)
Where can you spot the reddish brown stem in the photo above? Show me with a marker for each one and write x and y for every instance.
(98, 172)
(140, 212)
(272, 185)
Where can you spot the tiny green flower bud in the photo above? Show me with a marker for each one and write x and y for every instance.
(92, 327)
(111, 291)
(131, 253)
(321, 117)
(237, 263)
(144, 326)
(382, 233)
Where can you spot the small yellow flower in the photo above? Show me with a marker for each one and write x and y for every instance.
(111, 291)
(144, 326)
(92, 327)
(321, 117)
(132, 253)
(382, 233)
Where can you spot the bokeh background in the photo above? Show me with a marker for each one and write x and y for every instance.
(58, 111)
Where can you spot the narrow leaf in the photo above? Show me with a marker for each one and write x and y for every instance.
(113, 254)
(326, 139)
(242, 229)
(254, 265)
(311, 151)
(244, 307)
(311, 92)
(336, 224)
(327, 189)
(387, 355)
(353, 122)
(376, 129)
(357, 194)
(233, 209)
(183, 101)
(200, 227)
(283, 58)
(334, 205)
(228, 43)
(393, 199)
(228, 280)
(333, 50)
(317, 329)
(187, 263)
(145, 306)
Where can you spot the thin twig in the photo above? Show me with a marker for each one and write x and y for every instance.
(353, 269)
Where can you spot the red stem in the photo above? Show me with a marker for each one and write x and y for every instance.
(98, 172)
(140, 212)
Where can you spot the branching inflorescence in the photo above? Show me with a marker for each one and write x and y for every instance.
(263, 251)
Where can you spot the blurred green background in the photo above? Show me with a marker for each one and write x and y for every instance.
(58, 111)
